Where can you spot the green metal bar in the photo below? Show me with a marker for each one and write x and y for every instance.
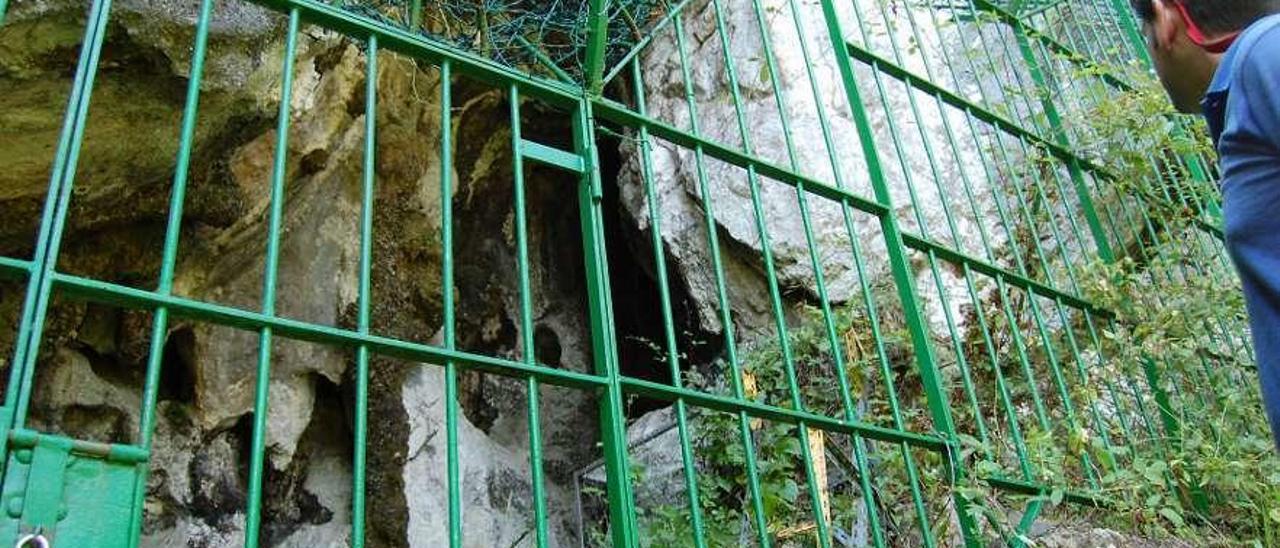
(1008, 59)
(1002, 386)
(169, 259)
(551, 156)
(1064, 393)
(989, 161)
(1098, 424)
(1039, 205)
(361, 411)
(1138, 403)
(1055, 121)
(253, 514)
(1172, 423)
(1126, 423)
(1005, 395)
(110, 452)
(942, 291)
(731, 404)
(518, 149)
(14, 268)
(921, 223)
(541, 56)
(604, 340)
(54, 217)
(535, 462)
(76, 287)
(687, 459)
(597, 28)
(1024, 359)
(1034, 489)
(722, 295)
(846, 400)
(454, 463)
(1028, 217)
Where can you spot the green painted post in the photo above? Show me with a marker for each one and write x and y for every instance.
(597, 45)
(368, 177)
(613, 430)
(448, 329)
(258, 451)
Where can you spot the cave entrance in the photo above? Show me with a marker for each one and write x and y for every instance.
(637, 299)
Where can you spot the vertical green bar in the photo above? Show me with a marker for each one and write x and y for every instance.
(447, 304)
(366, 266)
(253, 515)
(1128, 22)
(415, 14)
(54, 217)
(526, 318)
(168, 261)
(613, 429)
(597, 24)
(1060, 136)
(771, 278)
(689, 463)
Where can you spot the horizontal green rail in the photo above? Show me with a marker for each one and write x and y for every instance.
(108, 293)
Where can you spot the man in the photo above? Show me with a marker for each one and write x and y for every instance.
(1223, 57)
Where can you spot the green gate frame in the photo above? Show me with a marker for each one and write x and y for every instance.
(74, 491)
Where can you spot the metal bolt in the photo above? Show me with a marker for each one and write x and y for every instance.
(14, 507)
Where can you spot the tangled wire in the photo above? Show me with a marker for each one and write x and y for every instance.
(546, 37)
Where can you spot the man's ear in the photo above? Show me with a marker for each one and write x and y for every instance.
(1167, 27)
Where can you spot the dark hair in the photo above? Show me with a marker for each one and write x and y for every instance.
(1216, 16)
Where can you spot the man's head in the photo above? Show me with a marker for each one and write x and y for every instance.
(1186, 39)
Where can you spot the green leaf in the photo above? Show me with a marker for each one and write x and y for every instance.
(1173, 516)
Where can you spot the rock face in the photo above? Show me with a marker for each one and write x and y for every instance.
(930, 182)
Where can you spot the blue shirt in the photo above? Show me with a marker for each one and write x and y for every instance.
(1242, 107)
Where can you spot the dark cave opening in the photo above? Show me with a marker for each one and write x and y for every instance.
(557, 240)
(637, 297)
(177, 373)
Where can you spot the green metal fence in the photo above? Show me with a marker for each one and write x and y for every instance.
(925, 117)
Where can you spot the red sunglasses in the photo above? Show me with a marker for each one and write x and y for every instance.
(1198, 37)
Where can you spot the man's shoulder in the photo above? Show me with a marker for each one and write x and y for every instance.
(1260, 48)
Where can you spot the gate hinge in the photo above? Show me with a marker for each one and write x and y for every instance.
(68, 492)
